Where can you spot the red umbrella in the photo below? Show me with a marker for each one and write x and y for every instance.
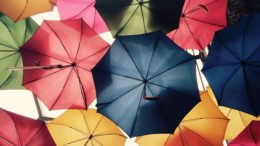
(75, 9)
(16, 130)
(58, 60)
(249, 137)
(198, 23)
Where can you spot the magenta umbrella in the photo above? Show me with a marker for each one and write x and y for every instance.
(76, 9)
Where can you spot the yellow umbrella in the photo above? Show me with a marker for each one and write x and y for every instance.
(204, 125)
(20, 9)
(238, 120)
(85, 128)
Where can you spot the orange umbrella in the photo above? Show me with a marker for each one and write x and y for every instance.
(20, 9)
(238, 120)
(205, 125)
(85, 128)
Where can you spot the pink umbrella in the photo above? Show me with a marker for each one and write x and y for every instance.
(76, 9)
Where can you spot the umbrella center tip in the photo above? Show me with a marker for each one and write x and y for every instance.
(73, 64)
(182, 15)
(140, 2)
(243, 63)
(145, 81)
(90, 136)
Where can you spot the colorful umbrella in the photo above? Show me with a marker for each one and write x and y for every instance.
(58, 60)
(198, 23)
(249, 137)
(16, 130)
(13, 36)
(204, 125)
(232, 66)
(75, 9)
(127, 17)
(146, 84)
(18, 10)
(87, 128)
(238, 120)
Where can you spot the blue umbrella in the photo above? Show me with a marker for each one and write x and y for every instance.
(232, 67)
(146, 84)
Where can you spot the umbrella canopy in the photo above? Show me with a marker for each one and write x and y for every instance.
(13, 36)
(125, 17)
(196, 129)
(198, 23)
(146, 84)
(16, 130)
(249, 137)
(253, 5)
(59, 58)
(88, 128)
(75, 9)
(232, 66)
(238, 120)
(18, 10)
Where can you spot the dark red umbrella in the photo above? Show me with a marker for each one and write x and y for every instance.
(58, 60)
(249, 137)
(198, 23)
(16, 130)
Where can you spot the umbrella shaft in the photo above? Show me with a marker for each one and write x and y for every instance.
(38, 67)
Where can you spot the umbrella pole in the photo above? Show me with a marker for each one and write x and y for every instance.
(38, 67)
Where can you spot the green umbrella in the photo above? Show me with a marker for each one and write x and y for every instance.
(128, 17)
(13, 36)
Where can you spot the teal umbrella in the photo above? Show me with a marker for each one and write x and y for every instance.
(13, 36)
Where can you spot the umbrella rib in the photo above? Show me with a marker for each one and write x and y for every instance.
(52, 30)
(102, 49)
(97, 141)
(58, 97)
(95, 15)
(196, 134)
(81, 88)
(17, 132)
(100, 134)
(253, 136)
(60, 124)
(20, 15)
(11, 35)
(81, 30)
(40, 53)
(143, 19)
(133, 126)
(122, 28)
(7, 141)
(8, 47)
(155, 46)
(253, 53)
(120, 75)
(204, 22)
(8, 56)
(25, 30)
(172, 90)
(183, 138)
(119, 96)
(81, 12)
(43, 76)
(74, 141)
(185, 9)
(242, 118)
(35, 134)
(187, 24)
(85, 120)
(222, 92)
(159, 107)
(8, 78)
(187, 60)
(101, 118)
(204, 118)
(196, 9)
(130, 57)
(168, 137)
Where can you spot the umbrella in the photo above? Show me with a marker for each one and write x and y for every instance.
(13, 36)
(232, 66)
(75, 9)
(125, 17)
(16, 130)
(198, 23)
(146, 84)
(253, 5)
(249, 137)
(238, 120)
(204, 125)
(58, 60)
(18, 10)
(87, 128)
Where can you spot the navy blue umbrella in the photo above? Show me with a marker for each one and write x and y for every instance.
(146, 84)
(232, 67)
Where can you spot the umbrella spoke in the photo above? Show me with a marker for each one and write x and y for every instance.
(36, 134)
(55, 34)
(80, 39)
(201, 21)
(58, 97)
(101, 118)
(7, 141)
(14, 40)
(108, 133)
(78, 140)
(143, 18)
(94, 139)
(85, 122)
(82, 90)
(7, 47)
(63, 125)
